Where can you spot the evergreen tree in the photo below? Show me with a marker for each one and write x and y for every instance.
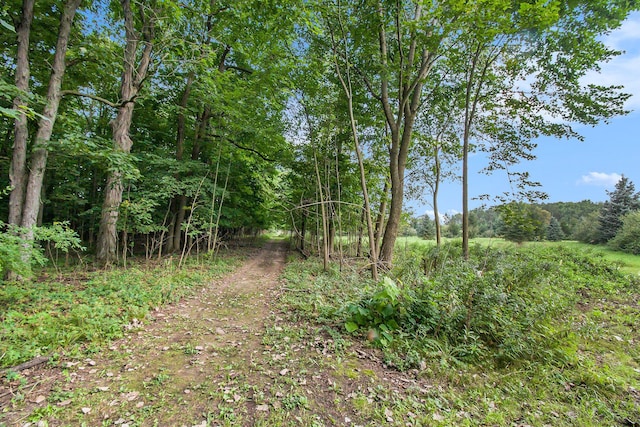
(425, 227)
(554, 230)
(621, 201)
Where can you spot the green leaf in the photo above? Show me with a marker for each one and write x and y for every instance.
(6, 25)
(8, 112)
(351, 327)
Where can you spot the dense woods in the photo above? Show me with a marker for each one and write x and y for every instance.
(163, 127)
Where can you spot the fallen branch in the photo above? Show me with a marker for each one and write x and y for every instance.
(305, 254)
(30, 364)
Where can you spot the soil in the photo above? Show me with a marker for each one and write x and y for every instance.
(226, 356)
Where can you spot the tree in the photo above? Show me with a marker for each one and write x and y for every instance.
(571, 214)
(554, 230)
(437, 145)
(621, 201)
(627, 238)
(17, 170)
(523, 222)
(38, 162)
(408, 47)
(133, 75)
(425, 227)
(586, 230)
(344, 73)
(522, 58)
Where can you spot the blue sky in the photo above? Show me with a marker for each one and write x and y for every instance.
(570, 170)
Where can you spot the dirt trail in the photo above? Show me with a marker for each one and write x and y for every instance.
(173, 364)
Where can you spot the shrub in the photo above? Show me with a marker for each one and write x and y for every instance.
(501, 306)
(628, 237)
(13, 246)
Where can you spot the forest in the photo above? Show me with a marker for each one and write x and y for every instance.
(149, 148)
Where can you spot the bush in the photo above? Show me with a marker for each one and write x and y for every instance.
(628, 237)
(501, 306)
(587, 229)
(13, 246)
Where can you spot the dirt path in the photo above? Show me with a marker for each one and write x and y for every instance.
(173, 365)
(226, 356)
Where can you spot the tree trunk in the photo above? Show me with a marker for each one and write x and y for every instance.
(130, 86)
(348, 90)
(39, 157)
(18, 167)
(393, 222)
(397, 165)
(382, 214)
(414, 67)
(323, 210)
(181, 200)
(436, 189)
(170, 233)
(180, 214)
(303, 227)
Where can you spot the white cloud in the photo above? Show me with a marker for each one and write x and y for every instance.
(623, 69)
(600, 179)
(450, 213)
(625, 37)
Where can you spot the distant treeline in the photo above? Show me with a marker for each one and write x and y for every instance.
(575, 219)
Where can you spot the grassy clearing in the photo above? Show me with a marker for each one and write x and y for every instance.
(628, 263)
(543, 336)
(74, 312)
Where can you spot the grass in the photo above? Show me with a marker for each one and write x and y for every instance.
(586, 372)
(568, 317)
(628, 263)
(74, 312)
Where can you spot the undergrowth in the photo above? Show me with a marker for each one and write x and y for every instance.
(519, 326)
(50, 316)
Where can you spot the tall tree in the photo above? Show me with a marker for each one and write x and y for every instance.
(407, 49)
(17, 170)
(133, 76)
(341, 48)
(40, 151)
(622, 200)
(524, 58)
(554, 230)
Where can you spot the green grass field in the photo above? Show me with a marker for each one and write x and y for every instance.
(627, 262)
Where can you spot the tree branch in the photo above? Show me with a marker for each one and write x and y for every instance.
(244, 70)
(94, 97)
(242, 147)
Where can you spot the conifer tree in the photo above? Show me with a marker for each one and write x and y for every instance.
(554, 230)
(621, 201)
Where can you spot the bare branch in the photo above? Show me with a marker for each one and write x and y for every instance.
(242, 147)
(98, 98)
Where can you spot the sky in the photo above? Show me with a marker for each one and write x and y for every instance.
(571, 170)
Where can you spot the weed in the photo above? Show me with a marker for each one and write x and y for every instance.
(294, 401)
(538, 334)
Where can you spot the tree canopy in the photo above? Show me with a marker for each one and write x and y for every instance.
(163, 126)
